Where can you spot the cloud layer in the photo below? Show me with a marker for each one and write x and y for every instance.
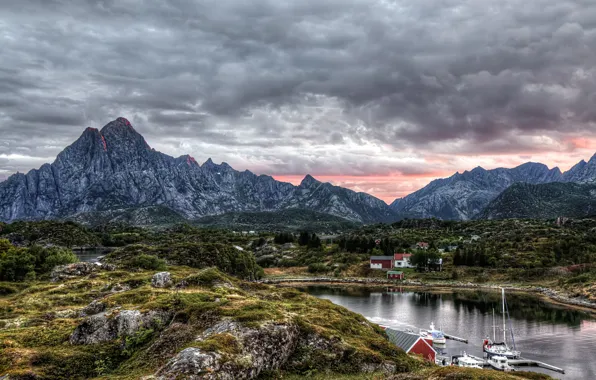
(377, 95)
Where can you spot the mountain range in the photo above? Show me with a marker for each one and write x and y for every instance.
(115, 169)
(465, 196)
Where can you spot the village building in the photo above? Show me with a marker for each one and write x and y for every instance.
(381, 262)
(395, 275)
(412, 344)
(402, 260)
(422, 245)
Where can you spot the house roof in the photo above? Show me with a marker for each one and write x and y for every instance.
(402, 339)
(401, 256)
(395, 272)
(381, 257)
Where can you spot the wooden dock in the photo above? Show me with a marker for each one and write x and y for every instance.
(523, 362)
(452, 337)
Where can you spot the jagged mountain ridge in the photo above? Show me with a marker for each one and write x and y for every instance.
(543, 201)
(115, 168)
(462, 196)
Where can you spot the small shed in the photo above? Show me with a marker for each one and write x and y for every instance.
(412, 344)
(395, 275)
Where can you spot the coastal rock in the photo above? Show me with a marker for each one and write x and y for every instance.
(256, 349)
(105, 327)
(161, 280)
(69, 271)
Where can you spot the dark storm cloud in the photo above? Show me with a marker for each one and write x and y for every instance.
(230, 78)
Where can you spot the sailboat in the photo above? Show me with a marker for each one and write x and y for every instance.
(494, 348)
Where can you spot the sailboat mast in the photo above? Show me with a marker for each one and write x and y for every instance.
(494, 327)
(504, 325)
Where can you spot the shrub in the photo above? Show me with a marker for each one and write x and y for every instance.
(149, 262)
(318, 268)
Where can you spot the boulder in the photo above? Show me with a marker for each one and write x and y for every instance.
(263, 348)
(161, 280)
(65, 272)
(288, 246)
(93, 308)
(108, 326)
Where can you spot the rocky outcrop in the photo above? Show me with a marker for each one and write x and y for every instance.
(108, 326)
(161, 280)
(69, 271)
(115, 169)
(93, 308)
(245, 352)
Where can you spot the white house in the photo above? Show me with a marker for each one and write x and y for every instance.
(402, 260)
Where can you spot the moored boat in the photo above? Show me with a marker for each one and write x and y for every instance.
(434, 335)
(500, 363)
(494, 348)
(466, 361)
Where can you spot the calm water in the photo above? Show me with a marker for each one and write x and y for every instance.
(558, 336)
(91, 255)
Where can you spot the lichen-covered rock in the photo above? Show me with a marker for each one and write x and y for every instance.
(93, 308)
(161, 280)
(193, 363)
(105, 327)
(65, 272)
(255, 349)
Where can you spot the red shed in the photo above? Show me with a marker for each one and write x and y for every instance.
(412, 344)
(395, 275)
(381, 262)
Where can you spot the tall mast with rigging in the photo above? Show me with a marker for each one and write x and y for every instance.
(504, 324)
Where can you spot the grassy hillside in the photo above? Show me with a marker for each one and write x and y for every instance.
(286, 220)
(544, 201)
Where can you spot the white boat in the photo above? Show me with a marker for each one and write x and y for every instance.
(494, 348)
(500, 363)
(466, 361)
(436, 336)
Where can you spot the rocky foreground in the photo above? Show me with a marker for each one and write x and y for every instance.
(92, 321)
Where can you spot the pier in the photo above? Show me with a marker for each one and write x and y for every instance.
(522, 362)
(452, 337)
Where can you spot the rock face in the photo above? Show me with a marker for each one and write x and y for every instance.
(256, 349)
(115, 169)
(105, 327)
(161, 280)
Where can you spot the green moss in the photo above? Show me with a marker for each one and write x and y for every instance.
(222, 343)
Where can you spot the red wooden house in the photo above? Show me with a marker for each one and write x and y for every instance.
(412, 344)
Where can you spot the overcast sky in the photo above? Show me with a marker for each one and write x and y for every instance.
(378, 96)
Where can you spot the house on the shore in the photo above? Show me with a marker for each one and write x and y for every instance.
(412, 344)
(381, 262)
(402, 260)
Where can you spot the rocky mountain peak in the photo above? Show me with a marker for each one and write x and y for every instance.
(309, 181)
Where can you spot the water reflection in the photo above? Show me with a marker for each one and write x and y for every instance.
(554, 334)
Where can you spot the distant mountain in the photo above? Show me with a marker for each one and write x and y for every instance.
(549, 200)
(464, 195)
(115, 169)
(582, 172)
(284, 220)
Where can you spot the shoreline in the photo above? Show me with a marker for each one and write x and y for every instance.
(549, 295)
